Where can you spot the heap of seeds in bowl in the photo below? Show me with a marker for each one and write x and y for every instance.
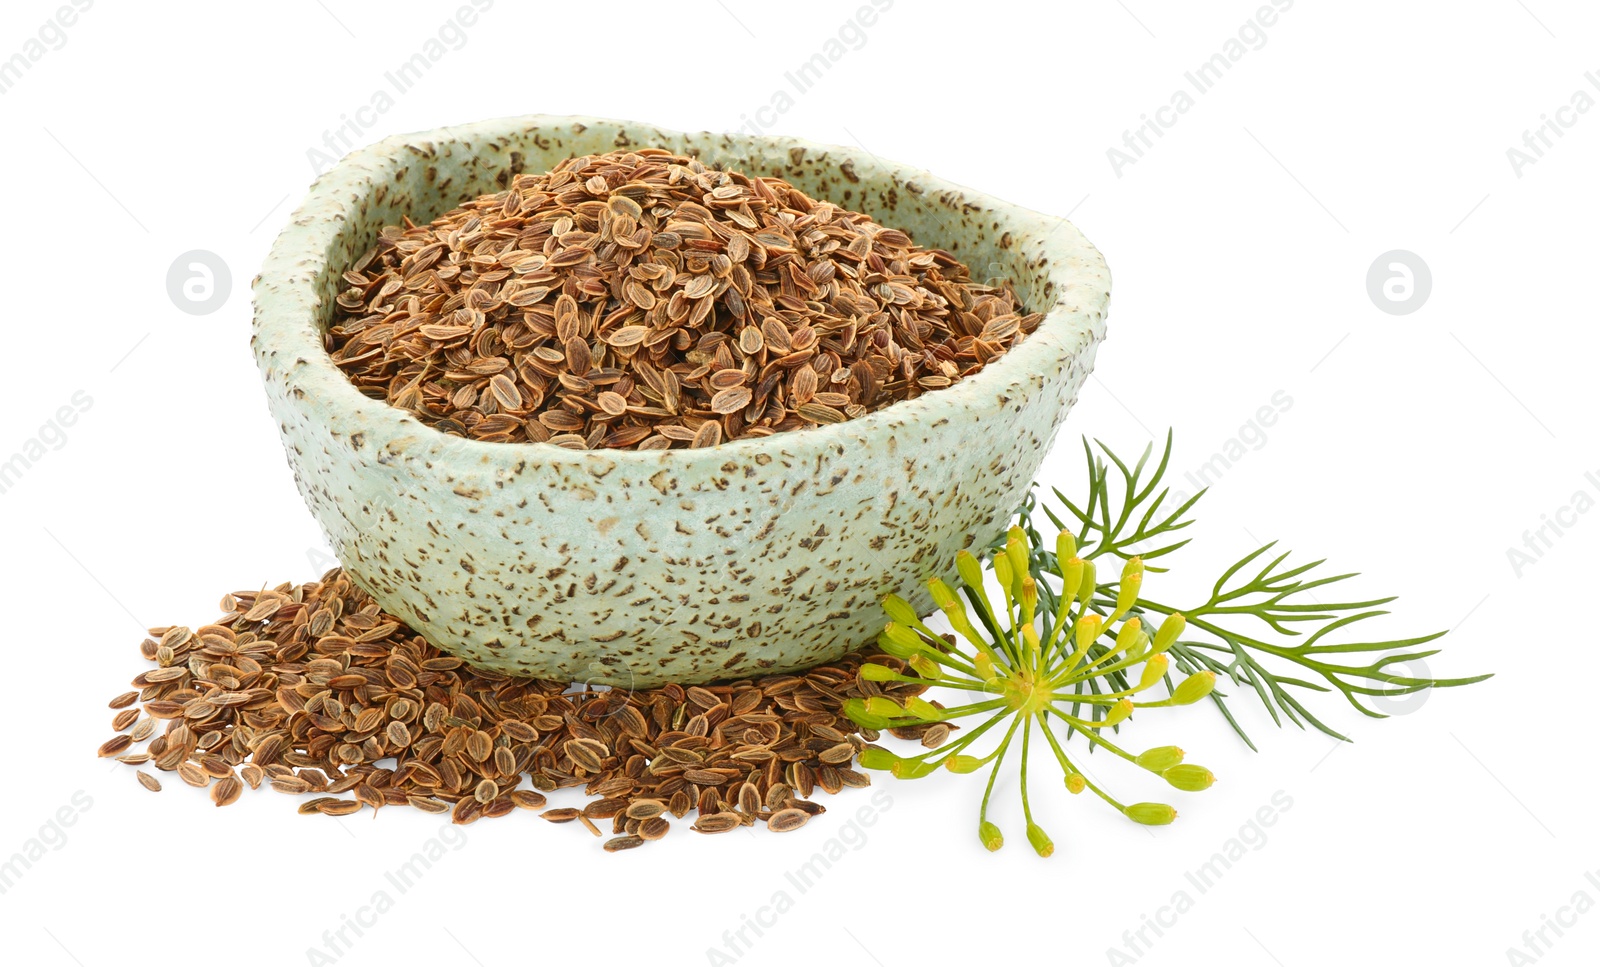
(643, 299)
(316, 692)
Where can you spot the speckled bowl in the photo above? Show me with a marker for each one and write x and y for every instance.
(642, 567)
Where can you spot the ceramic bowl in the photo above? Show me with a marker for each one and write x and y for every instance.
(642, 567)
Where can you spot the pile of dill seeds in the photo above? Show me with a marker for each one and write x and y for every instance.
(643, 300)
(307, 688)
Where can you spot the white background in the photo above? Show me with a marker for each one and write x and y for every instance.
(1418, 449)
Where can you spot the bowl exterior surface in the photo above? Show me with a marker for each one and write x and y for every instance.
(632, 568)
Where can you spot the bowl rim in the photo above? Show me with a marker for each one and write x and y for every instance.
(286, 306)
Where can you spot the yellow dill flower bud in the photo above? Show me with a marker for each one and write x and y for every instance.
(1194, 688)
(873, 757)
(1086, 584)
(1128, 590)
(1128, 636)
(1040, 840)
(1160, 759)
(963, 764)
(970, 569)
(900, 611)
(1119, 712)
(985, 667)
(1071, 577)
(884, 707)
(923, 709)
(873, 672)
(904, 636)
(911, 768)
(1088, 629)
(1150, 813)
(1030, 598)
(1154, 670)
(1003, 573)
(1017, 551)
(1066, 548)
(892, 647)
(1189, 778)
(925, 666)
(943, 596)
(1030, 637)
(1169, 631)
(989, 836)
(1076, 782)
(856, 710)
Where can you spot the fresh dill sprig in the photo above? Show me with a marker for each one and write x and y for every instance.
(1123, 516)
(1051, 656)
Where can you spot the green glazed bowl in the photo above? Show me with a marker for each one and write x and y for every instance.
(635, 568)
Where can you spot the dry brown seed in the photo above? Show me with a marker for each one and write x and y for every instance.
(114, 745)
(341, 807)
(586, 754)
(645, 808)
(505, 391)
(709, 435)
(819, 413)
(226, 791)
(731, 400)
(843, 752)
(628, 335)
(618, 843)
(191, 773)
(717, 823)
(565, 814)
(399, 736)
(934, 737)
(526, 799)
(123, 719)
(785, 820)
(148, 781)
(505, 761)
(654, 828)
(124, 700)
(466, 812)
